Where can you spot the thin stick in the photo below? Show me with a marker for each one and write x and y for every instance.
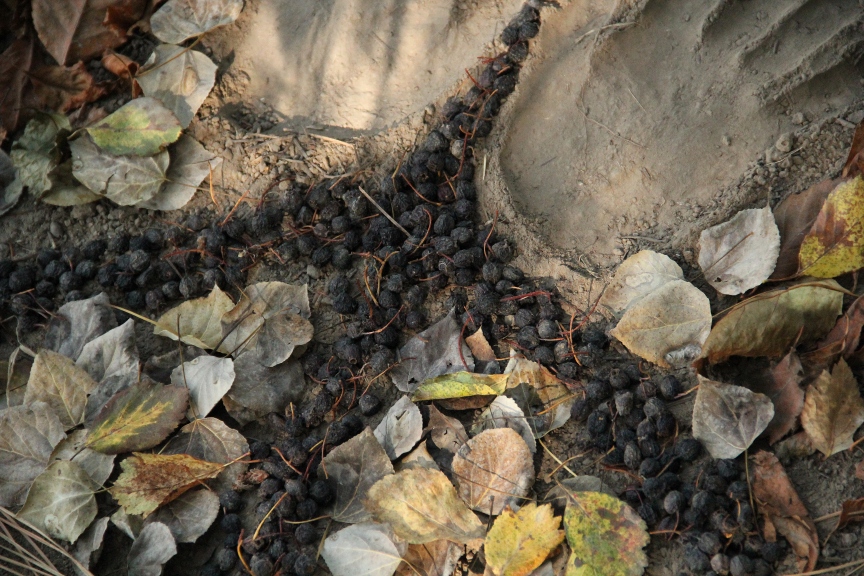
(384, 212)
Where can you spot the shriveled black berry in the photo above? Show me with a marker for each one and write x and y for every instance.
(703, 502)
(43, 258)
(659, 486)
(744, 516)
(674, 502)
(648, 513)
(226, 558)
(147, 278)
(213, 277)
(518, 52)
(528, 338)
(381, 360)
(688, 449)
(632, 456)
(55, 269)
(650, 448)
(646, 429)
(740, 565)
(547, 329)
(738, 490)
(713, 483)
(305, 565)
(719, 562)
(171, 290)
(624, 436)
(580, 410)
(70, 281)
(544, 355)
(669, 387)
(190, 286)
(154, 299)
(729, 469)
(709, 543)
(624, 403)
(106, 275)
(231, 523)
(321, 492)
(598, 390)
(269, 487)
(46, 289)
(666, 425)
(415, 320)
(524, 317)
(646, 390)
(296, 488)
(231, 501)
(771, 552)
(513, 274)
(598, 422)
(695, 559)
(650, 467)
(614, 457)
(24, 278)
(139, 261)
(654, 407)
(693, 518)
(261, 565)
(307, 509)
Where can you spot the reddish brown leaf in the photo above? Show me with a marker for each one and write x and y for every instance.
(14, 63)
(795, 216)
(59, 88)
(782, 387)
(124, 67)
(843, 339)
(851, 511)
(783, 511)
(852, 167)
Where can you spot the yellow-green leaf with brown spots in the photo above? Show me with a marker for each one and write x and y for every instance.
(138, 418)
(141, 127)
(460, 385)
(605, 535)
(520, 541)
(835, 243)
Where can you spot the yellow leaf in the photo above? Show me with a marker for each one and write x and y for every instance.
(835, 243)
(460, 385)
(151, 480)
(833, 410)
(199, 321)
(519, 542)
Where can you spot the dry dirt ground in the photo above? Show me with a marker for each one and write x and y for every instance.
(634, 125)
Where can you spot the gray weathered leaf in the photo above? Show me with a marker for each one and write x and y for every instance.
(211, 440)
(208, 379)
(181, 78)
(11, 186)
(259, 390)
(433, 352)
(189, 516)
(638, 276)
(153, 547)
(178, 20)
(366, 549)
(66, 190)
(503, 412)
(113, 354)
(401, 428)
(61, 501)
(57, 381)
(190, 164)
(130, 525)
(352, 468)
(28, 434)
(77, 323)
(74, 448)
(740, 254)
(89, 546)
(727, 418)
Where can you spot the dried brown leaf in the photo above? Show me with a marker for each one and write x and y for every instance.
(833, 410)
(850, 511)
(480, 347)
(436, 558)
(212, 440)
(57, 381)
(447, 433)
(843, 340)
(795, 216)
(784, 390)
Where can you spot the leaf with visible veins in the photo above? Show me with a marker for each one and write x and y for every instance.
(833, 410)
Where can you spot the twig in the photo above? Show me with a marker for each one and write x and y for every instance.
(384, 212)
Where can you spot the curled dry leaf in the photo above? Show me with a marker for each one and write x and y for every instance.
(668, 326)
(638, 276)
(401, 428)
(180, 78)
(460, 385)
(784, 390)
(151, 480)
(153, 547)
(740, 253)
(436, 558)
(371, 546)
(189, 516)
(605, 536)
(493, 470)
(418, 458)
(208, 379)
(77, 323)
(197, 322)
(727, 419)
(57, 381)
(835, 243)
(73, 448)
(28, 434)
(542, 397)
(352, 468)
(833, 410)
(88, 548)
(141, 127)
(432, 352)
(138, 418)
(795, 216)
(850, 511)
(178, 20)
(843, 339)
(211, 440)
(190, 164)
(480, 347)
(61, 501)
(783, 511)
(422, 506)
(519, 542)
(771, 323)
(503, 412)
(447, 433)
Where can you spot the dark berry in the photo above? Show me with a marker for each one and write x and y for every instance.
(139, 261)
(119, 244)
(666, 425)
(741, 565)
(669, 387)
(46, 289)
(709, 543)
(226, 558)
(306, 534)
(650, 467)
(688, 449)
(231, 501)
(695, 559)
(261, 565)
(729, 469)
(231, 523)
(598, 422)
(154, 299)
(580, 410)
(632, 456)
(321, 492)
(598, 390)
(305, 565)
(674, 502)
(307, 510)
(369, 404)
(55, 269)
(69, 281)
(619, 380)
(623, 403)
(648, 513)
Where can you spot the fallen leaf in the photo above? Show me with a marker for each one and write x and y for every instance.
(73, 448)
(447, 433)
(77, 323)
(605, 536)
(28, 434)
(740, 254)
(519, 542)
(417, 458)
(833, 410)
(835, 243)
(460, 385)
(779, 504)
(352, 468)
(75, 31)
(795, 216)
(178, 20)
(153, 547)
(138, 418)
(638, 276)
(11, 186)
(151, 480)
(180, 78)
(13, 378)
(189, 516)
(727, 419)
(432, 352)
(66, 190)
(208, 379)
(190, 164)
(88, 548)
(850, 511)
(61, 501)
(843, 339)
(493, 470)
(480, 347)
(505, 413)
(125, 180)
(796, 446)
(196, 322)
(401, 428)
(129, 525)
(371, 546)
(57, 381)
(60, 88)
(422, 506)
(141, 127)
(123, 67)
(437, 558)
(258, 390)
(668, 326)
(859, 470)
(36, 154)
(212, 440)
(543, 398)
(784, 390)
(771, 323)
(564, 492)
(111, 355)
(15, 63)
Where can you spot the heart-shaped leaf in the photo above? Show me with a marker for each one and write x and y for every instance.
(141, 127)
(61, 501)
(519, 542)
(727, 419)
